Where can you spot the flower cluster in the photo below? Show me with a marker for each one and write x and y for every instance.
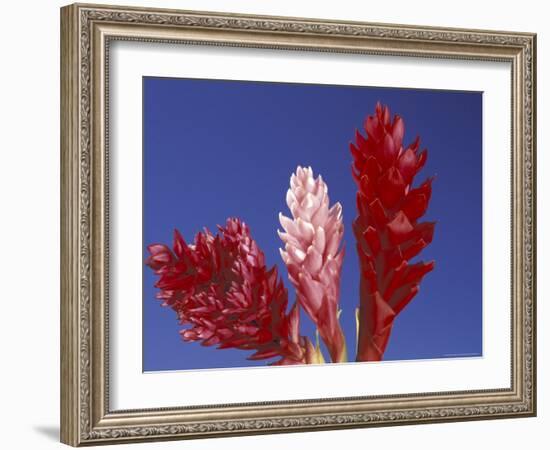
(387, 229)
(221, 289)
(224, 294)
(313, 255)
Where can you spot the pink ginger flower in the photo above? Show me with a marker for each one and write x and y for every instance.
(313, 255)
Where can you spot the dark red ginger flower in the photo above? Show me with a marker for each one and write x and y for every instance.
(224, 294)
(387, 229)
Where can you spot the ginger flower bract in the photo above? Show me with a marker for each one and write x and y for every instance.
(313, 254)
(224, 294)
(387, 227)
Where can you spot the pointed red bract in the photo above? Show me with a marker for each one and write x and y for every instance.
(387, 229)
(224, 294)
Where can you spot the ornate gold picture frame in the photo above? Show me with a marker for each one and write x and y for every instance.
(87, 35)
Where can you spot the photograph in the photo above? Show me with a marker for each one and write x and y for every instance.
(289, 223)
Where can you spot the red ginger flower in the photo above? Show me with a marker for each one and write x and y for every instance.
(387, 229)
(223, 292)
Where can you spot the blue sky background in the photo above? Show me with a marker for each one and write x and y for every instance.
(216, 149)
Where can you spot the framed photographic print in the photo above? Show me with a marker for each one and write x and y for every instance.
(275, 224)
